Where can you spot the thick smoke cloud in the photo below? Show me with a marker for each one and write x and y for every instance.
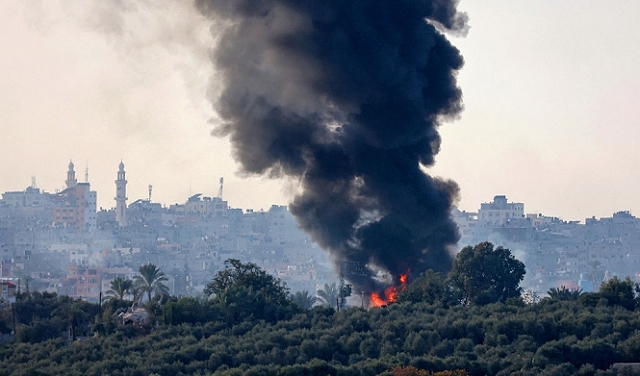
(346, 97)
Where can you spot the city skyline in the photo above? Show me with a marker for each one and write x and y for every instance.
(548, 90)
(122, 201)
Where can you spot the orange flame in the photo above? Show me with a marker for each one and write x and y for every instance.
(390, 293)
(376, 300)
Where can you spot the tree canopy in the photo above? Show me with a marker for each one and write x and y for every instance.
(548, 338)
(619, 292)
(120, 289)
(431, 287)
(242, 331)
(303, 299)
(482, 274)
(563, 293)
(245, 290)
(150, 281)
(328, 295)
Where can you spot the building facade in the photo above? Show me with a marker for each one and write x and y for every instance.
(499, 212)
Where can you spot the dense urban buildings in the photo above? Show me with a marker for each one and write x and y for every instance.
(60, 242)
(556, 252)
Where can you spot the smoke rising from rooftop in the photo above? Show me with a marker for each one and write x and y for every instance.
(346, 97)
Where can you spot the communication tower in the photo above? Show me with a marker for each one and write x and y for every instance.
(220, 189)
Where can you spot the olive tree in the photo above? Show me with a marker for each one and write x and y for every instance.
(483, 274)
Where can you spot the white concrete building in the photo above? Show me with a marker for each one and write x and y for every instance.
(498, 212)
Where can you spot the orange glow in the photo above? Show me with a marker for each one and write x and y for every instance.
(376, 301)
(390, 293)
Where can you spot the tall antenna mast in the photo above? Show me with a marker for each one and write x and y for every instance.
(220, 189)
(86, 173)
(150, 189)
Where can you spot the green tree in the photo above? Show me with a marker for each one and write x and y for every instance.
(430, 287)
(73, 314)
(564, 293)
(619, 292)
(328, 295)
(303, 300)
(245, 290)
(483, 275)
(120, 289)
(188, 310)
(150, 281)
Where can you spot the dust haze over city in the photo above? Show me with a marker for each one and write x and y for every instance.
(548, 88)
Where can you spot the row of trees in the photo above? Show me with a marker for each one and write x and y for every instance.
(39, 316)
(552, 337)
(242, 291)
(469, 322)
(150, 283)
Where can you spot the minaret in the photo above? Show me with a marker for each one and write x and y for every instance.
(121, 197)
(71, 176)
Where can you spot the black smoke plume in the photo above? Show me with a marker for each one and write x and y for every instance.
(346, 97)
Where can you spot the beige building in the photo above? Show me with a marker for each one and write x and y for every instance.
(75, 207)
(498, 212)
(202, 206)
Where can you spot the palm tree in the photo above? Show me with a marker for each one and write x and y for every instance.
(303, 299)
(329, 295)
(150, 281)
(596, 273)
(73, 314)
(564, 293)
(120, 288)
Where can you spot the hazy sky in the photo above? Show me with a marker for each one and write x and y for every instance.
(550, 91)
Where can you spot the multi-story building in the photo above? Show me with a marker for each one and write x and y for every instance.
(203, 206)
(499, 212)
(84, 282)
(75, 207)
(31, 197)
(466, 225)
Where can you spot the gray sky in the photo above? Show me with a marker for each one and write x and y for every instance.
(550, 91)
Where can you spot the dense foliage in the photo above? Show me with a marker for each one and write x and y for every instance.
(150, 282)
(494, 339)
(483, 274)
(427, 333)
(245, 291)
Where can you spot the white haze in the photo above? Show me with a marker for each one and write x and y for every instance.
(549, 91)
